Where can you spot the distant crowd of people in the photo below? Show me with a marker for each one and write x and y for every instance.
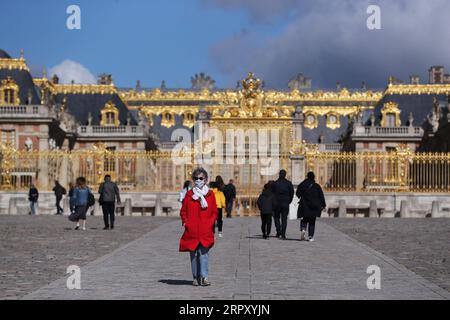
(81, 199)
(202, 206)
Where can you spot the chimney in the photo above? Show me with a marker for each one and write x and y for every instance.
(414, 79)
(436, 74)
(55, 79)
(105, 79)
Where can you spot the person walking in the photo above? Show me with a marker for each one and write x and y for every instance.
(33, 196)
(220, 202)
(284, 193)
(186, 187)
(81, 202)
(230, 195)
(109, 194)
(312, 203)
(198, 214)
(70, 195)
(267, 204)
(59, 191)
(220, 183)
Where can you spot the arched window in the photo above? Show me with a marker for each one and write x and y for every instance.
(390, 115)
(390, 120)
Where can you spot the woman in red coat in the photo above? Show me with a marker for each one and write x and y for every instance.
(198, 214)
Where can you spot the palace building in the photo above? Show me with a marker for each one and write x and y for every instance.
(52, 131)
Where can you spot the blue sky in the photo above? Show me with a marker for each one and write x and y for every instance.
(174, 39)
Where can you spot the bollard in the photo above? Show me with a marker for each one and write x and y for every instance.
(342, 213)
(97, 209)
(66, 206)
(373, 211)
(435, 209)
(158, 207)
(127, 209)
(404, 210)
(12, 209)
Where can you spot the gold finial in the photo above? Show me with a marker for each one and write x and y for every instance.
(21, 54)
(44, 73)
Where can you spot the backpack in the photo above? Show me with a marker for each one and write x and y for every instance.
(63, 191)
(91, 199)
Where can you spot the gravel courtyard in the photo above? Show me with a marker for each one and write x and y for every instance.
(421, 245)
(36, 250)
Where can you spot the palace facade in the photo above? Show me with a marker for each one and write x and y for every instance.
(52, 131)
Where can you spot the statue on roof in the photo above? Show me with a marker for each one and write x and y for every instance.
(202, 81)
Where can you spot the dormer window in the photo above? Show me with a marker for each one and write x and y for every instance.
(390, 120)
(168, 119)
(109, 115)
(9, 92)
(390, 115)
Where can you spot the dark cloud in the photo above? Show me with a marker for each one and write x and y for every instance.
(260, 10)
(329, 41)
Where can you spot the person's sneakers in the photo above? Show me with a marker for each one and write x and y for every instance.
(283, 238)
(105, 228)
(302, 235)
(220, 234)
(311, 239)
(205, 282)
(277, 235)
(84, 229)
(112, 227)
(77, 227)
(195, 283)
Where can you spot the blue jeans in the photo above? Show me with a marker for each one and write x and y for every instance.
(199, 262)
(33, 207)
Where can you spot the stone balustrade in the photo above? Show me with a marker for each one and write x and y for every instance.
(372, 131)
(93, 131)
(24, 111)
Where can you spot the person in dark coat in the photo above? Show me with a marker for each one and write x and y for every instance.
(267, 205)
(311, 205)
(109, 194)
(33, 195)
(59, 191)
(230, 195)
(284, 193)
(70, 195)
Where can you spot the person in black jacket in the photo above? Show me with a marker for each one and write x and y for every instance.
(229, 191)
(267, 205)
(284, 193)
(59, 191)
(311, 205)
(33, 195)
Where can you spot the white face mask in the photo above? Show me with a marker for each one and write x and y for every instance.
(199, 183)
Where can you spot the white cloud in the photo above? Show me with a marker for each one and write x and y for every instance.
(69, 70)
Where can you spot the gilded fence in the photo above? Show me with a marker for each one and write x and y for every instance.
(396, 171)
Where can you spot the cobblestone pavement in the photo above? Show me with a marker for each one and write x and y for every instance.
(245, 266)
(36, 250)
(421, 245)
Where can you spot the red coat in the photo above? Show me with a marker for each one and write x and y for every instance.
(198, 222)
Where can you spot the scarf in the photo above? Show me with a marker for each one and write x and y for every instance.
(200, 194)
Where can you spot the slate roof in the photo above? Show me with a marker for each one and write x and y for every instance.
(79, 105)
(419, 104)
(4, 54)
(23, 79)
